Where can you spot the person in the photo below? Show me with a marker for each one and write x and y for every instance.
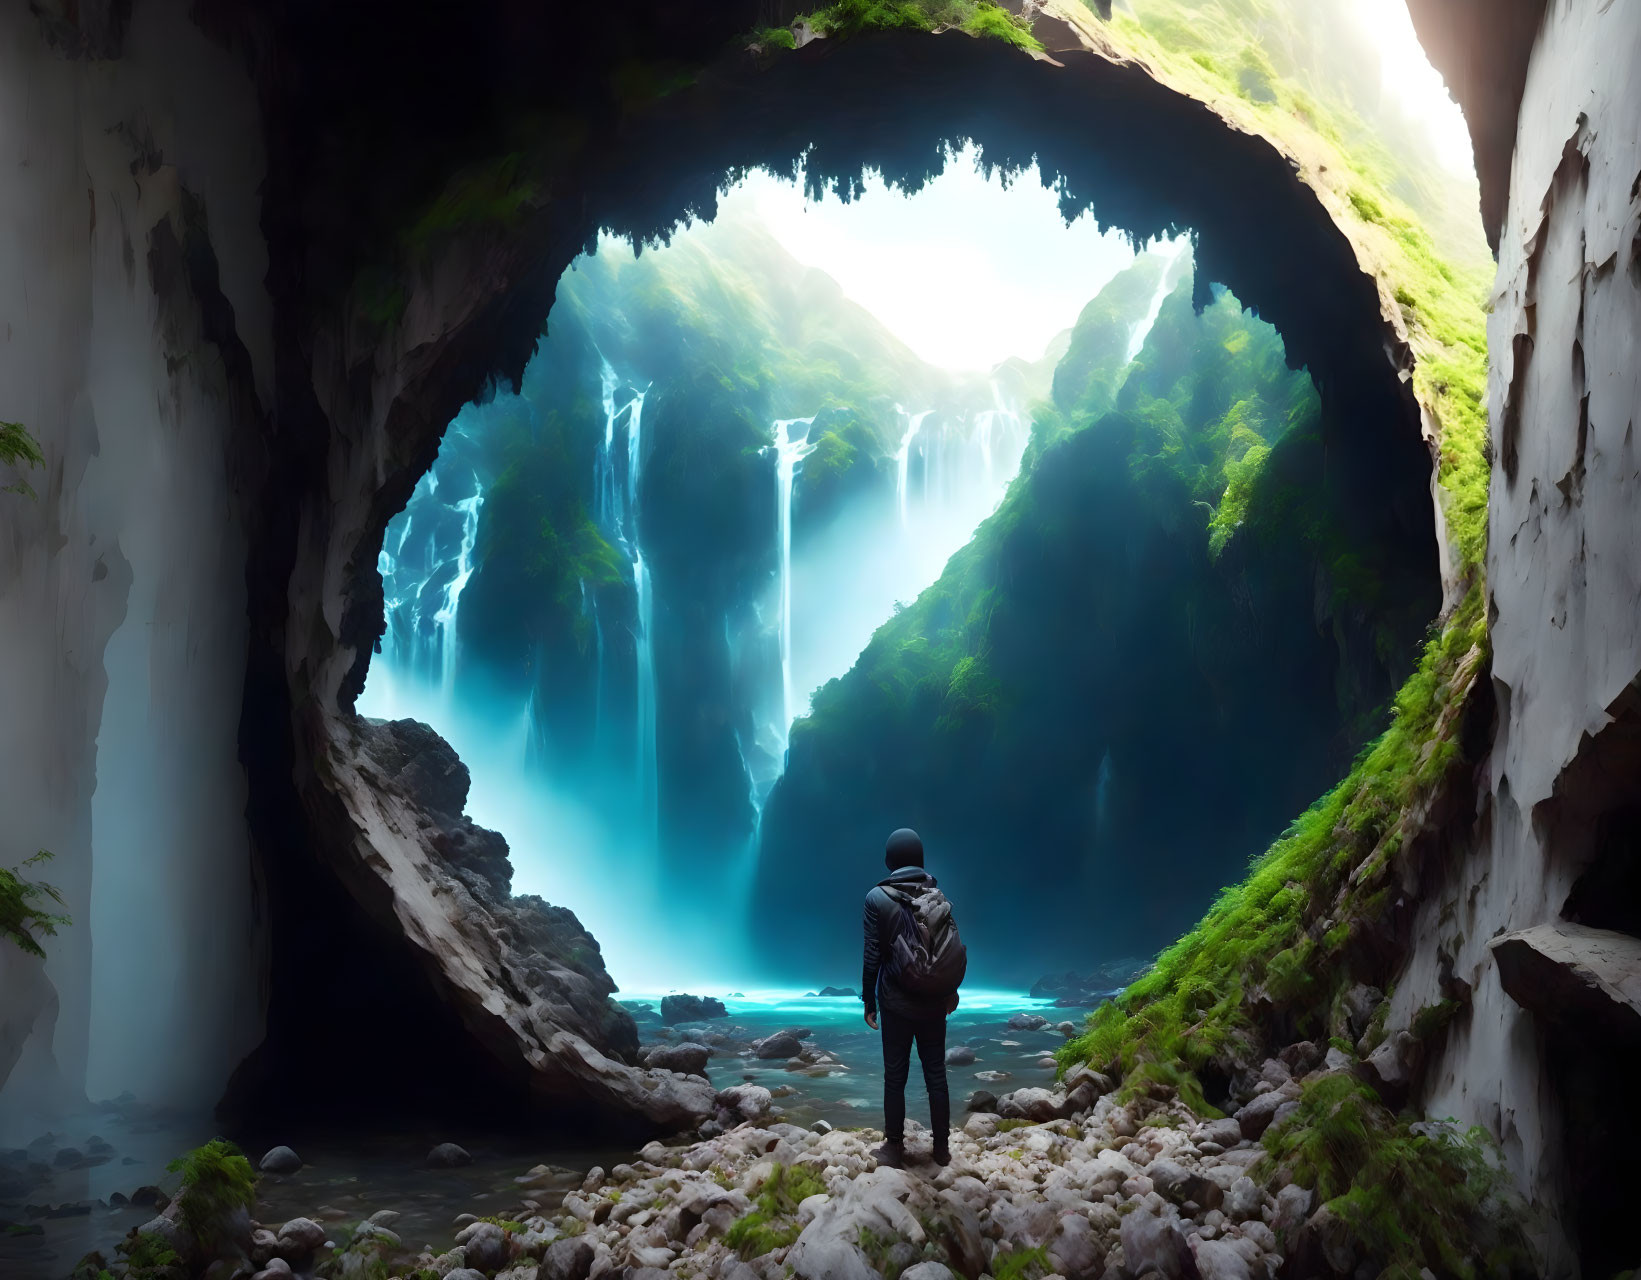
(906, 1018)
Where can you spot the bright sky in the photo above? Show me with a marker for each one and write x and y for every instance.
(1407, 75)
(966, 272)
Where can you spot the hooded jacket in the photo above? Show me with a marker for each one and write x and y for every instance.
(881, 921)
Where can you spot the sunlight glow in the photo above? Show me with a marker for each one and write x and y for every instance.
(967, 272)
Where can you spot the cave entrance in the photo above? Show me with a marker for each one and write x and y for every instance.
(923, 508)
(895, 103)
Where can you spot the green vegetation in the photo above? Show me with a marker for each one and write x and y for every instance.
(1414, 1196)
(19, 449)
(494, 194)
(22, 918)
(150, 1255)
(1022, 1264)
(217, 1182)
(769, 1225)
(1338, 856)
(976, 17)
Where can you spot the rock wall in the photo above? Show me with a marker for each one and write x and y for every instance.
(1564, 568)
(122, 619)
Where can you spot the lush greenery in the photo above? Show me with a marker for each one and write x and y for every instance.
(19, 449)
(852, 17)
(24, 917)
(1285, 933)
(217, 1183)
(1414, 1196)
(769, 1224)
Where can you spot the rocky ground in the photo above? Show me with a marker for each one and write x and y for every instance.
(1046, 1182)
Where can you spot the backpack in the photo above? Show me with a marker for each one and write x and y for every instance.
(926, 956)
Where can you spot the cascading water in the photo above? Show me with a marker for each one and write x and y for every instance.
(444, 621)
(616, 508)
(1165, 286)
(903, 460)
(789, 452)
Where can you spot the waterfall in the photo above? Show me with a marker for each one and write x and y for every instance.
(616, 511)
(788, 453)
(648, 790)
(903, 460)
(1165, 284)
(444, 621)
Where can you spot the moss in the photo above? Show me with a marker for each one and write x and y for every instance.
(1433, 1019)
(771, 38)
(217, 1182)
(1414, 1196)
(1009, 1126)
(149, 1254)
(1240, 478)
(1022, 1264)
(494, 194)
(769, 1225)
(976, 17)
(19, 449)
(506, 1224)
(1191, 1008)
(22, 919)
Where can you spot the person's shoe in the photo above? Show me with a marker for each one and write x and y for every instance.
(942, 1154)
(891, 1155)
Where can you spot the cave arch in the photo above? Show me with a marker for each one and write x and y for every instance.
(347, 855)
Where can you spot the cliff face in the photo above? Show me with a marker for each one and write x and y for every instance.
(129, 147)
(1558, 820)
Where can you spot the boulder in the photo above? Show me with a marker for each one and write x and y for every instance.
(885, 1202)
(1181, 1185)
(1293, 1206)
(1074, 1248)
(1304, 1057)
(299, 1238)
(1574, 976)
(567, 1259)
(1227, 1133)
(838, 993)
(927, 1271)
(783, 1044)
(687, 1008)
(959, 1055)
(688, 1058)
(280, 1160)
(1354, 1012)
(1393, 1067)
(447, 1155)
(742, 1103)
(1220, 1260)
(1036, 1105)
(1027, 1022)
(1156, 1242)
(961, 1232)
(982, 1100)
(1244, 1200)
(1256, 1117)
(484, 1245)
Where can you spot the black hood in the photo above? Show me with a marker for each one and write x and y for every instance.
(909, 875)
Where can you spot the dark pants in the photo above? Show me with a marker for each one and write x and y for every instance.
(898, 1035)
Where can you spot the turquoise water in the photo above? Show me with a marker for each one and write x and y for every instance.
(851, 1093)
